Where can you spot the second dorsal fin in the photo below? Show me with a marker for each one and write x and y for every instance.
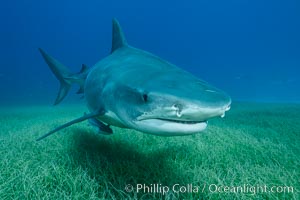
(118, 38)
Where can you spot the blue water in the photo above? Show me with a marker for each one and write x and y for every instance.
(250, 49)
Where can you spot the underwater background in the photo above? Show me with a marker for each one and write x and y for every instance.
(250, 49)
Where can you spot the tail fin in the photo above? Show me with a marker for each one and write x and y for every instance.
(65, 77)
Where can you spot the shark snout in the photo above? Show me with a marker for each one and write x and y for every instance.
(187, 113)
(203, 113)
(213, 104)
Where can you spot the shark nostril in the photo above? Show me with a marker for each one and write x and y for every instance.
(177, 106)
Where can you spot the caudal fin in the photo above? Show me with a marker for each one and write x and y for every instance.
(65, 77)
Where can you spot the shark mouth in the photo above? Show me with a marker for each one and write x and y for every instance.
(170, 127)
(181, 121)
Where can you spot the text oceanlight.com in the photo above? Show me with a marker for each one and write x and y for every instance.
(211, 188)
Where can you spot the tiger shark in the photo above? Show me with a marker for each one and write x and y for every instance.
(134, 89)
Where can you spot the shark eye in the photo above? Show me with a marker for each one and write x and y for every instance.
(145, 97)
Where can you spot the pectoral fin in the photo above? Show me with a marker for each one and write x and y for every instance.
(80, 119)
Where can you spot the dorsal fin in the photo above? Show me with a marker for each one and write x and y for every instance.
(118, 38)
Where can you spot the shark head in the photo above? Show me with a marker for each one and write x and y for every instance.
(183, 112)
(175, 103)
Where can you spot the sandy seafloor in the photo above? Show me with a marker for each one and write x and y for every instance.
(256, 144)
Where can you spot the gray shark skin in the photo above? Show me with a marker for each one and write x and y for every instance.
(132, 88)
